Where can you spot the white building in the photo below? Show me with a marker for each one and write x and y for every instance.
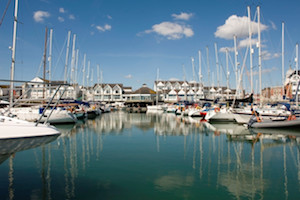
(39, 88)
(174, 91)
(109, 92)
(291, 83)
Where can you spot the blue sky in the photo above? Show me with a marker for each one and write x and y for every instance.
(130, 39)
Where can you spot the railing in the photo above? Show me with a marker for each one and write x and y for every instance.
(49, 102)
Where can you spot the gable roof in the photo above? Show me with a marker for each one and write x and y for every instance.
(109, 84)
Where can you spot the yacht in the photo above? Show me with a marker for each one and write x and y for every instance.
(16, 128)
(32, 114)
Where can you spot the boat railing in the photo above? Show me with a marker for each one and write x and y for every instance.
(49, 101)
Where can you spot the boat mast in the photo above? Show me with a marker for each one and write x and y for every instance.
(98, 74)
(282, 59)
(208, 70)
(88, 77)
(50, 59)
(217, 65)
(92, 80)
(88, 74)
(83, 75)
(236, 64)
(184, 78)
(73, 60)
(251, 50)
(297, 64)
(200, 72)
(157, 74)
(227, 74)
(67, 57)
(45, 60)
(259, 56)
(296, 60)
(194, 75)
(13, 50)
(76, 65)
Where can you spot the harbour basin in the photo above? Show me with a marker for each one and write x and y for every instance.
(152, 156)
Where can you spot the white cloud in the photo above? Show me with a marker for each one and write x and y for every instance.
(61, 19)
(245, 42)
(223, 49)
(104, 28)
(265, 71)
(238, 26)
(171, 31)
(109, 17)
(62, 10)
(267, 55)
(182, 16)
(276, 55)
(72, 17)
(273, 25)
(129, 76)
(173, 79)
(39, 16)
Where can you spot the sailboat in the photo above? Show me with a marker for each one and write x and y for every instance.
(14, 128)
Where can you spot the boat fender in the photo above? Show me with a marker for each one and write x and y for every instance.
(291, 117)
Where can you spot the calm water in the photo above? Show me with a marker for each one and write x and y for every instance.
(142, 156)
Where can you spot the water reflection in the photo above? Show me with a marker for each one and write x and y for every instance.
(173, 154)
(173, 180)
(8, 149)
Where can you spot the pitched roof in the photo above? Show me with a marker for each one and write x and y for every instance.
(144, 90)
(110, 84)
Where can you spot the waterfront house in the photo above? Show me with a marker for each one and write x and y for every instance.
(109, 92)
(292, 83)
(174, 91)
(39, 88)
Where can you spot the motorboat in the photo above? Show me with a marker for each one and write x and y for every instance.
(242, 116)
(16, 128)
(275, 122)
(197, 112)
(220, 114)
(153, 108)
(32, 114)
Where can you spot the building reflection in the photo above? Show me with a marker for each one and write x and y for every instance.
(226, 156)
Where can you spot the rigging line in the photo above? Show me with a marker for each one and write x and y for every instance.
(230, 59)
(59, 57)
(288, 35)
(4, 13)
(268, 33)
(39, 70)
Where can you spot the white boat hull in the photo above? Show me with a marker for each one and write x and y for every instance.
(32, 115)
(222, 115)
(15, 128)
(242, 118)
(276, 124)
(154, 108)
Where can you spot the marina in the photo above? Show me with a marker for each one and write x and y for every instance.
(85, 118)
(122, 155)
